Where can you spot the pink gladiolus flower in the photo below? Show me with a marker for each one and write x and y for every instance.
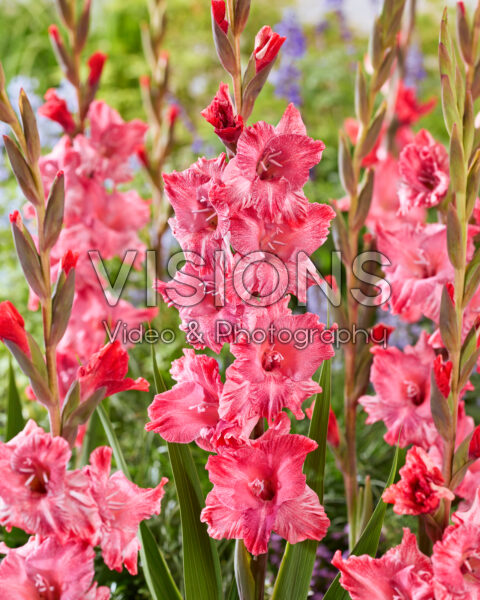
(47, 570)
(38, 494)
(108, 368)
(420, 488)
(56, 110)
(201, 211)
(402, 401)
(221, 114)
(206, 321)
(122, 506)
(289, 242)
(420, 268)
(113, 141)
(403, 573)
(189, 411)
(408, 109)
(12, 326)
(267, 46)
(424, 173)
(260, 487)
(271, 167)
(276, 372)
(385, 203)
(455, 564)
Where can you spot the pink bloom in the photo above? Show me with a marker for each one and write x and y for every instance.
(292, 243)
(402, 385)
(276, 372)
(385, 204)
(12, 326)
(95, 64)
(122, 506)
(260, 487)
(38, 494)
(420, 268)
(408, 109)
(47, 570)
(207, 318)
(108, 368)
(218, 12)
(201, 210)
(113, 140)
(271, 167)
(189, 411)
(267, 46)
(420, 488)
(471, 515)
(56, 110)
(403, 573)
(455, 564)
(221, 114)
(424, 173)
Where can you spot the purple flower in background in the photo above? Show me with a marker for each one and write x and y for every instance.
(295, 45)
(287, 77)
(414, 66)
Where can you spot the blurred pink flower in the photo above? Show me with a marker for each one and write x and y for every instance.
(424, 173)
(401, 380)
(122, 506)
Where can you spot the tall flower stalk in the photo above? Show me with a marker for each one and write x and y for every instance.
(358, 184)
(460, 88)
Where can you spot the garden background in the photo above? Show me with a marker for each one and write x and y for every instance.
(316, 71)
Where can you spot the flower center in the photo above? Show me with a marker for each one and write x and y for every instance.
(271, 360)
(269, 166)
(206, 213)
(37, 477)
(412, 392)
(471, 567)
(44, 589)
(263, 489)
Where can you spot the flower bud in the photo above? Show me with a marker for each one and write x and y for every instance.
(474, 446)
(221, 114)
(56, 110)
(95, 64)
(267, 46)
(442, 372)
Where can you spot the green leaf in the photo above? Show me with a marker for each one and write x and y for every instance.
(201, 566)
(157, 575)
(368, 542)
(295, 574)
(15, 420)
(245, 582)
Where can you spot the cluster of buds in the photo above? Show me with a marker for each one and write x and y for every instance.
(69, 58)
(228, 22)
